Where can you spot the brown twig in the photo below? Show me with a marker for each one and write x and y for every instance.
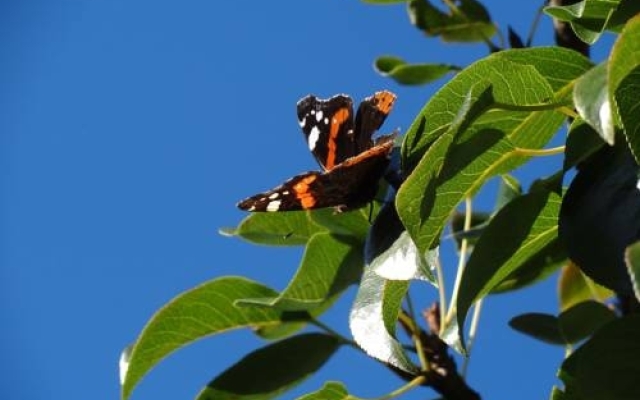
(442, 374)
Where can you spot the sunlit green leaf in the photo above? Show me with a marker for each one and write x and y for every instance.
(591, 98)
(291, 228)
(517, 233)
(329, 265)
(205, 310)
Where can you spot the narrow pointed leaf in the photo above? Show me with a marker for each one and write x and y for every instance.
(411, 74)
(329, 265)
(516, 234)
(272, 370)
(205, 310)
(543, 327)
(292, 228)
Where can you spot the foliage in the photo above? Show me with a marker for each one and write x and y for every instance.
(489, 119)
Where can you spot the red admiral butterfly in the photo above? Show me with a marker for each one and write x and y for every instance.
(352, 163)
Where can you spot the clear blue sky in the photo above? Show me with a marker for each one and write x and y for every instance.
(129, 130)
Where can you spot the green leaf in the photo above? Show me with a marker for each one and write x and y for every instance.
(543, 327)
(624, 62)
(575, 287)
(205, 310)
(588, 18)
(329, 265)
(418, 193)
(411, 74)
(519, 231)
(330, 391)
(583, 319)
(390, 251)
(540, 266)
(470, 22)
(570, 327)
(582, 142)
(292, 228)
(374, 316)
(606, 367)
(591, 98)
(273, 369)
(349, 223)
(489, 144)
(632, 260)
(508, 190)
(628, 105)
(518, 77)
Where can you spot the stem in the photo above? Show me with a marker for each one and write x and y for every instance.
(415, 382)
(409, 322)
(473, 328)
(335, 334)
(461, 263)
(532, 107)
(534, 26)
(441, 291)
(540, 152)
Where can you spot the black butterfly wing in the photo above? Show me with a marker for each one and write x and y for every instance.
(351, 184)
(370, 116)
(328, 127)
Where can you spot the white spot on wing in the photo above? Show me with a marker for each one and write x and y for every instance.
(274, 205)
(319, 115)
(303, 122)
(274, 196)
(314, 135)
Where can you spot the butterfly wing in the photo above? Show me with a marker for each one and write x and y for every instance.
(328, 128)
(351, 184)
(370, 116)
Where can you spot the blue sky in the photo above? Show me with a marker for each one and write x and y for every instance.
(129, 130)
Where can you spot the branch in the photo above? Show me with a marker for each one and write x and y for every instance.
(442, 375)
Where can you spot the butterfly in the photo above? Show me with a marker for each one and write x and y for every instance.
(352, 162)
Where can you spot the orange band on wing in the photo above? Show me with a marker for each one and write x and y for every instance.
(301, 189)
(336, 122)
(385, 101)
